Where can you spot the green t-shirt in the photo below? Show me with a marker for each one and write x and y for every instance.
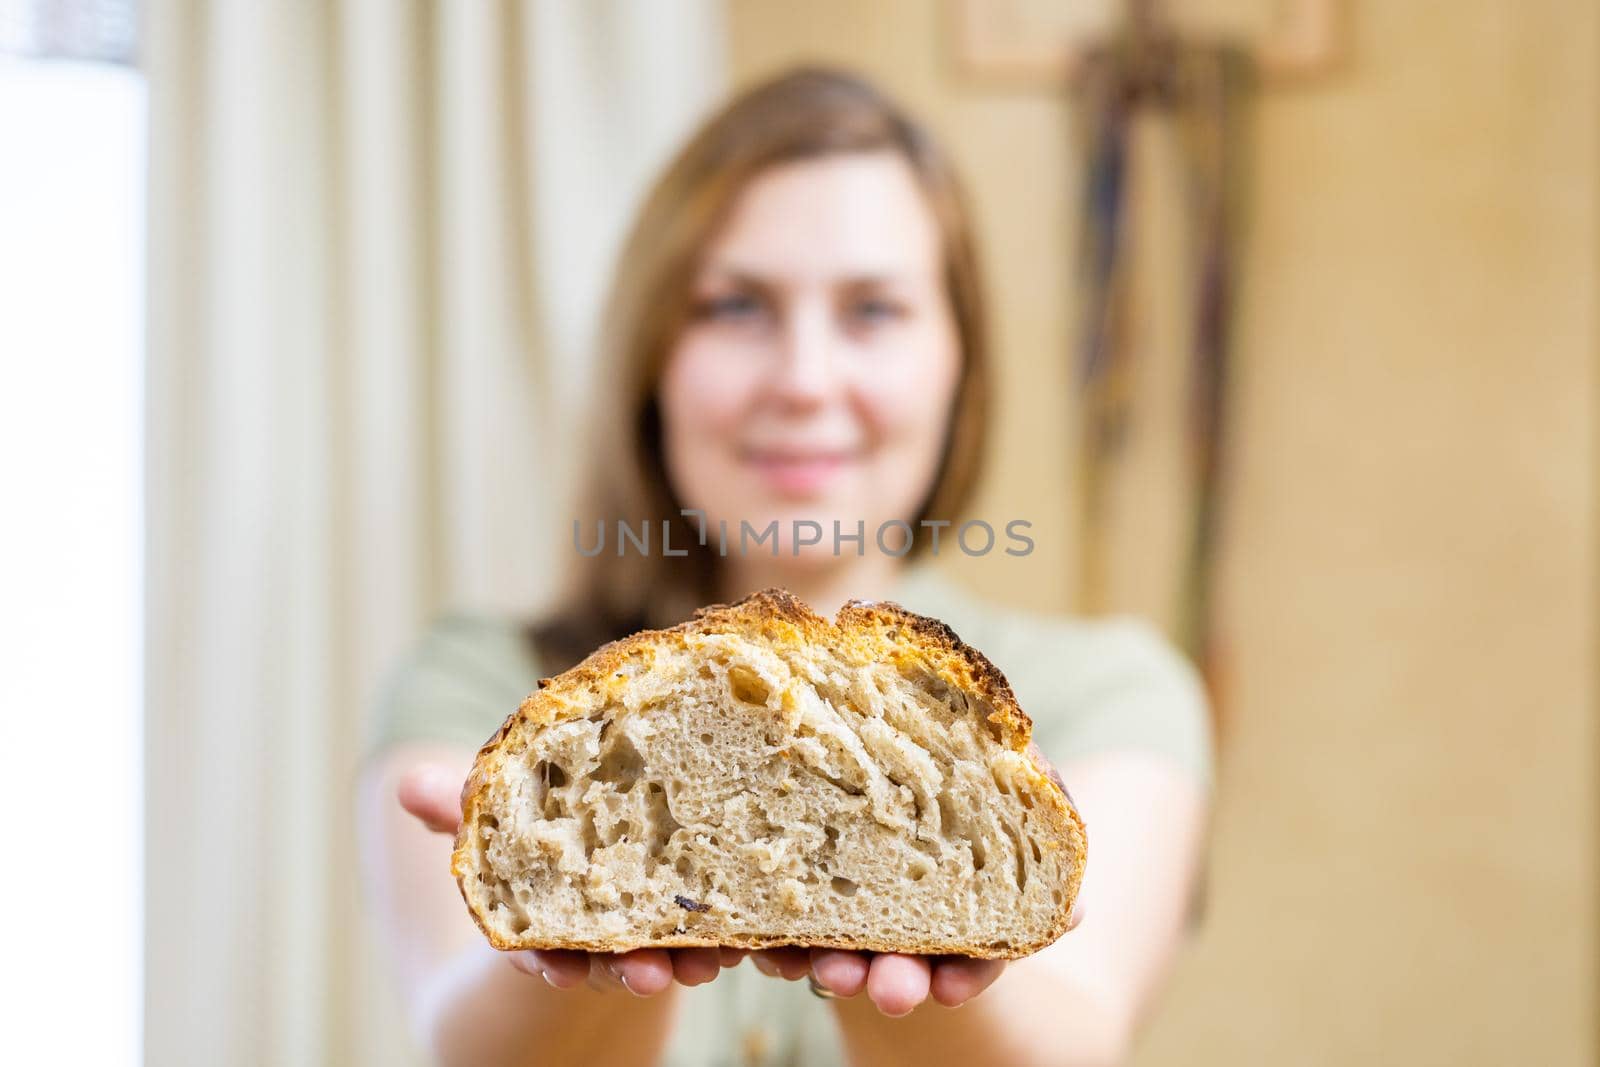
(1089, 687)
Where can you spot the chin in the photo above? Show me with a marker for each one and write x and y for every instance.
(817, 557)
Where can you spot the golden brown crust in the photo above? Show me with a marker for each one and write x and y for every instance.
(782, 617)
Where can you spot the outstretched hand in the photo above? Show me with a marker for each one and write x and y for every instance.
(433, 795)
(894, 982)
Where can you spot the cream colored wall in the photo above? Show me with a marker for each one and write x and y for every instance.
(1403, 851)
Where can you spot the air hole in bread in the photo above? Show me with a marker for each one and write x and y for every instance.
(550, 774)
(949, 820)
(549, 781)
(840, 784)
(747, 686)
(620, 764)
(660, 821)
(1018, 856)
(843, 886)
(980, 855)
(591, 838)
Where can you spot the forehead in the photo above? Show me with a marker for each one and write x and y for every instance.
(842, 215)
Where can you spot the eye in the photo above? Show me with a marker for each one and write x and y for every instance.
(875, 311)
(730, 307)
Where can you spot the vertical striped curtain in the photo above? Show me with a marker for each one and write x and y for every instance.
(377, 233)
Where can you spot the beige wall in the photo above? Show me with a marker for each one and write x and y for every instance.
(1403, 852)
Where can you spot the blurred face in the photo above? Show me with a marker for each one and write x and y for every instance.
(815, 377)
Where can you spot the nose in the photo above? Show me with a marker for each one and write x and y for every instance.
(804, 374)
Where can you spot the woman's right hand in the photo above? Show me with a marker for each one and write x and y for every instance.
(643, 972)
(428, 792)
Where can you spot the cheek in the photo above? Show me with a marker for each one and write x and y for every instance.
(906, 401)
(704, 393)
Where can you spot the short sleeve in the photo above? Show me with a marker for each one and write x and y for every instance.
(457, 684)
(1129, 689)
(1103, 685)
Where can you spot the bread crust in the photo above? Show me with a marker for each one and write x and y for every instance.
(781, 617)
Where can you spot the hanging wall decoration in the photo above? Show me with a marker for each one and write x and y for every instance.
(1204, 89)
(1200, 89)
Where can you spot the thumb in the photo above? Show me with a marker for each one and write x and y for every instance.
(431, 793)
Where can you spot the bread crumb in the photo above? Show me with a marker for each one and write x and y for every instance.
(792, 895)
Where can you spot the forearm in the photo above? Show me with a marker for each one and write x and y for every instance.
(484, 1013)
(1032, 1015)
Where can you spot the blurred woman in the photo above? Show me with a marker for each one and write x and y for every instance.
(796, 332)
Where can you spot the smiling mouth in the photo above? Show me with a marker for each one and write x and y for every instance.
(798, 473)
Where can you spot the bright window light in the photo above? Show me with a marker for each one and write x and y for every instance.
(71, 678)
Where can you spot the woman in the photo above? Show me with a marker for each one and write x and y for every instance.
(796, 333)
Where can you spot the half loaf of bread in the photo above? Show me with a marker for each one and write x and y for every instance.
(760, 776)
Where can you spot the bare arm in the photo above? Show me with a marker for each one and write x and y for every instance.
(1079, 1000)
(469, 1003)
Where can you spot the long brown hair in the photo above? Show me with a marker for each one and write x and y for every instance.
(803, 114)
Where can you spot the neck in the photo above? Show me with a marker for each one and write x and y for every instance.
(825, 588)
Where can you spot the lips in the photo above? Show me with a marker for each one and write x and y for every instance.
(798, 472)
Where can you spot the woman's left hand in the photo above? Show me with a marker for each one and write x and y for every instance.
(895, 982)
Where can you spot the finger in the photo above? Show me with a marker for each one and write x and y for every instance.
(840, 971)
(732, 957)
(896, 982)
(695, 966)
(562, 968)
(644, 972)
(957, 980)
(524, 962)
(788, 962)
(1076, 917)
(603, 974)
(432, 794)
